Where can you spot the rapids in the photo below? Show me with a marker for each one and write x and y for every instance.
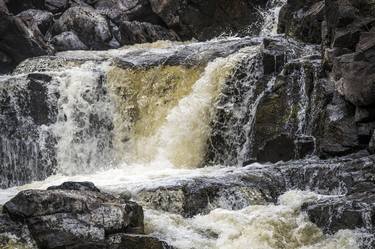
(146, 122)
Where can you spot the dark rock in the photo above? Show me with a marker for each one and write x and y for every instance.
(356, 79)
(27, 104)
(371, 146)
(231, 190)
(68, 41)
(74, 215)
(17, 6)
(79, 186)
(351, 212)
(141, 32)
(207, 19)
(303, 22)
(56, 6)
(42, 19)
(131, 241)
(3, 7)
(14, 234)
(281, 148)
(18, 41)
(125, 10)
(91, 27)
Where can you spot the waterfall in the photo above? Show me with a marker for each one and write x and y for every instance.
(177, 124)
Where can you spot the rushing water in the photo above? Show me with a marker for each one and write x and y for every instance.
(134, 128)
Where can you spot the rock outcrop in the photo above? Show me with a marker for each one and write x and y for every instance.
(346, 31)
(74, 215)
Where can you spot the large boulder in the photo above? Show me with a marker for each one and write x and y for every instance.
(78, 215)
(91, 27)
(208, 18)
(68, 41)
(17, 41)
(142, 32)
(302, 21)
(37, 18)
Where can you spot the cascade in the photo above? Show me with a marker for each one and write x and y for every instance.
(182, 127)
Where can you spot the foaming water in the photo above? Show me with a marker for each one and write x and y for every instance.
(255, 227)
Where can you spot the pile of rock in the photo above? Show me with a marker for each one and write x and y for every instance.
(32, 28)
(73, 215)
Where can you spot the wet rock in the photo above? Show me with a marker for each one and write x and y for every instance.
(14, 234)
(125, 10)
(91, 27)
(142, 32)
(131, 241)
(17, 6)
(26, 106)
(56, 6)
(41, 19)
(75, 215)
(18, 42)
(233, 190)
(302, 21)
(355, 76)
(3, 7)
(351, 212)
(79, 186)
(68, 41)
(207, 19)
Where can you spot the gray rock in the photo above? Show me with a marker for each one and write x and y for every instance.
(207, 19)
(142, 32)
(56, 6)
(41, 19)
(131, 241)
(68, 41)
(91, 27)
(18, 42)
(74, 215)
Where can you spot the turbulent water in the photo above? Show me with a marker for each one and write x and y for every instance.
(133, 128)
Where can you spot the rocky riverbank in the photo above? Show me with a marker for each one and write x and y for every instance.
(79, 215)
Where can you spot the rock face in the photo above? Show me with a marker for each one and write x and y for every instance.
(77, 215)
(345, 30)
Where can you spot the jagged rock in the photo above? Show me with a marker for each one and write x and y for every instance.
(125, 10)
(79, 186)
(356, 78)
(26, 106)
(142, 32)
(17, 6)
(68, 41)
(56, 6)
(233, 190)
(3, 7)
(18, 42)
(350, 212)
(130, 241)
(207, 19)
(91, 27)
(39, 18)
(14, 234)
(75, 215)
(302, 21)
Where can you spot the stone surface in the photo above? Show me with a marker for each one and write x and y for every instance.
(68, 41)
(91, 27)
(18, 42)
(39, 18)
(142, 32)
(76, 215)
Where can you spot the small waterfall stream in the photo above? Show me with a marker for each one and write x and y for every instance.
(162, 114)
